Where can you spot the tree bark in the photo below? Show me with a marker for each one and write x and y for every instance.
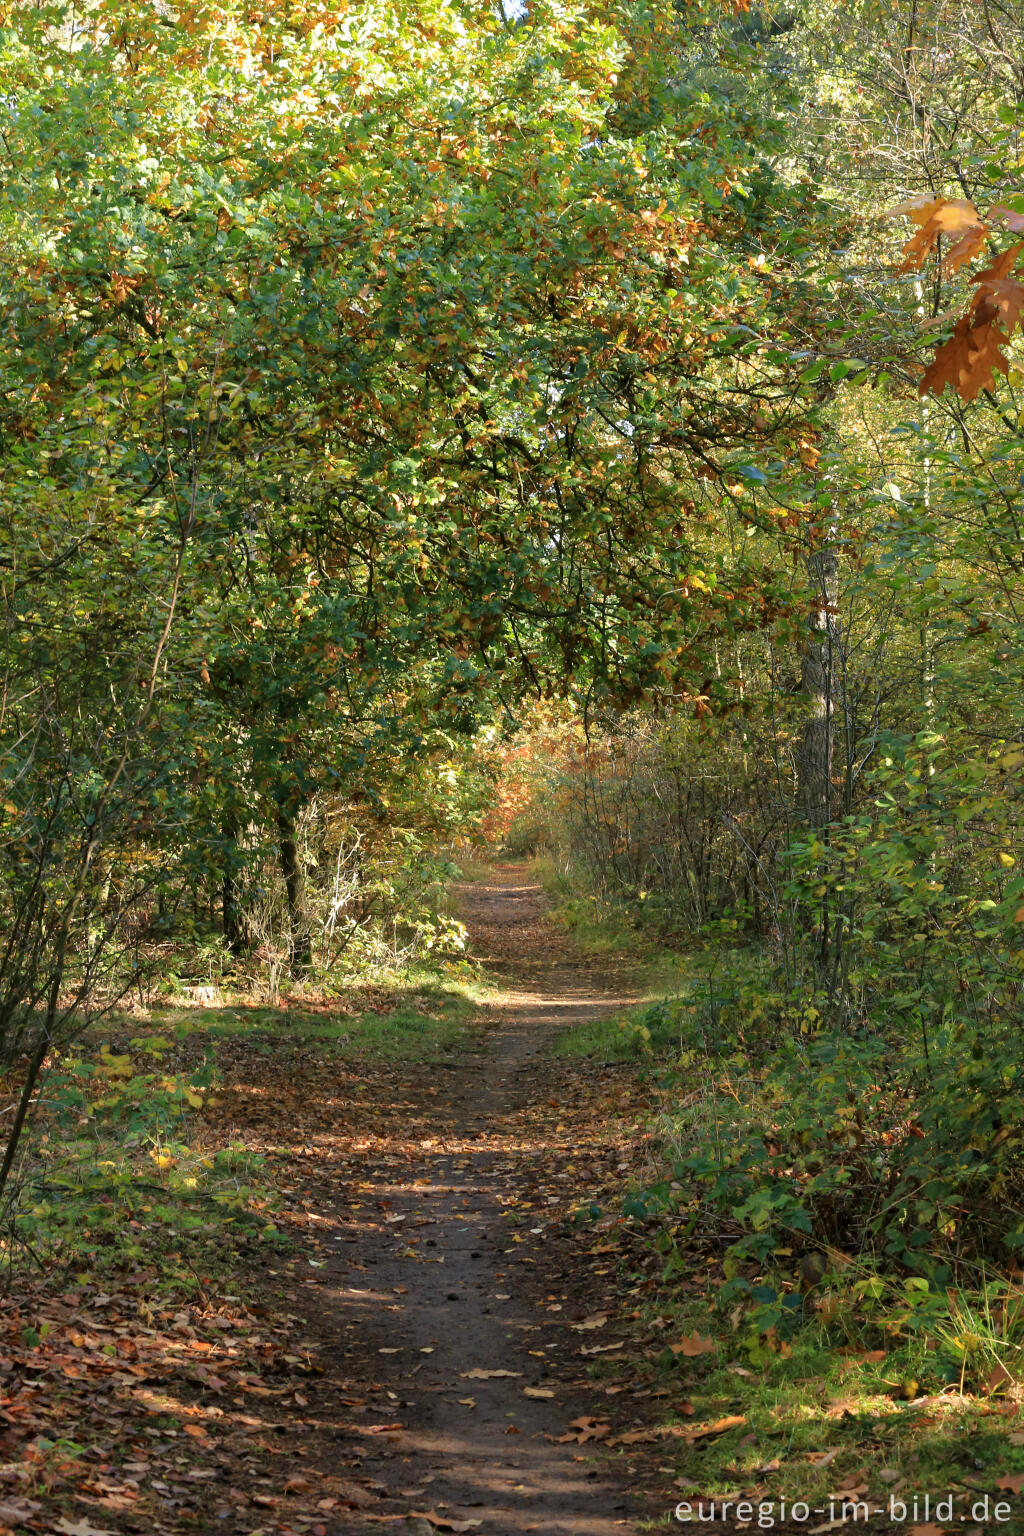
(229, 914)
(230, 925)
(814, 754)
(300, 954)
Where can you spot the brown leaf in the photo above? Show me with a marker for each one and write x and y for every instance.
(719, 1427)
(693, 1344)
(636, 1437)
(920, 208)
(998, 1377)
(1001, 299)
(1011, 1484)
(935, 217)
(537, 1392)
(1002, 266)
(445, 1522)
(967, 361)
(1008, 216)
(348, 1493)
(954, 215)
(17, 1511)
(917, 249)
(476, 1374)
(971, 242)
(582, 1430)
(80, 1528)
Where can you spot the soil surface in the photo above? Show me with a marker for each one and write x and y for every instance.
(437, 1345)
(439, 1312)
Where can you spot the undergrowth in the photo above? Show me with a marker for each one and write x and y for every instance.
(837, 1217)
(131, 1167)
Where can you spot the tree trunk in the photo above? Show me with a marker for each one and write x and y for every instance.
(228, 896)
(229, 914)
(300, 956)
(814, 755)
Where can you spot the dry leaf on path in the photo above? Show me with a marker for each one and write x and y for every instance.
(476, 1374)
(16, 1511)
(80, 1528)
(444, 1522)
(584, 1429)
(537, 1392)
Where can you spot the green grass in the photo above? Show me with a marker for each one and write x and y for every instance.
(474, 870)
(640, 1034)
(427, 1016)
(124, 1171)
(815, 1413)
(678, 989)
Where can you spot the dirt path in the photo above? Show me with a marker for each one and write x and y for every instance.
(428, 1282)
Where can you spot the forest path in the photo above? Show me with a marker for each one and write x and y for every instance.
(428, 1281)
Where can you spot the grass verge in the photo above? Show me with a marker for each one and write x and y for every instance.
(822, 1251)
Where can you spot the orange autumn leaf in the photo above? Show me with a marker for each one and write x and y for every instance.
(1001, 214)
(693, 1344)
(970, 244)
(969, 360)
(935, 216)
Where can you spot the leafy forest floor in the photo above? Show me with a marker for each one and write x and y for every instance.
(385, 1276)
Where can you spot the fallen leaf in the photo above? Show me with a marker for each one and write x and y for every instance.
(998, 1377)
(444, 1522)
(693, 1344)
(719, 1427)
(476, 1374)
(15, 1511)
(537, 1392)
(584, 1429)
(1011, 1484)
(598, 1320)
